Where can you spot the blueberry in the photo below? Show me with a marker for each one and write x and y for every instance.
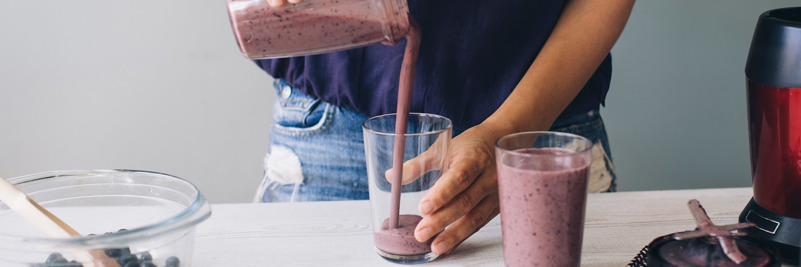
(125, 251)
(59, 264)
(56, 258)
(113, 252)
(145, 256)
(147, 264)
(131, 264)
(125, 259)
(172, 262)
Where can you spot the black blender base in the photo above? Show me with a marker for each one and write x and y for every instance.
(781, 231)
(789, 254)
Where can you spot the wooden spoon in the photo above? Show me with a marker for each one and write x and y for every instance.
(54, 227)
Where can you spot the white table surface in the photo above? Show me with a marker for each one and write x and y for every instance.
(617, 226)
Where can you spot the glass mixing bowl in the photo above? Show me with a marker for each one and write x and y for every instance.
(133, 216)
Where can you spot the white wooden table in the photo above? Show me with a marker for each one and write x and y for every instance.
(617, 226)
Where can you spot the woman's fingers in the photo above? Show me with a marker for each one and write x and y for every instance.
(276, 3)
(431, 159)
(464, 204)
(465, 168)
(416, 167)
(280, 3)
(466, 226)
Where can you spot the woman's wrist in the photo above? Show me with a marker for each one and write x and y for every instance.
(502, 124)
(491, 129)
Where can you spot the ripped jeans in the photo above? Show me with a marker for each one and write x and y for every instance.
(317, 152)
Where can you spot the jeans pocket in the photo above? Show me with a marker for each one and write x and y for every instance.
(602, 176)
(297, 114)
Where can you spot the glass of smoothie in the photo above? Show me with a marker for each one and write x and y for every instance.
(425, 156)
(542, 186)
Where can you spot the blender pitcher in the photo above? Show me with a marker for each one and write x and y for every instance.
(315, 26)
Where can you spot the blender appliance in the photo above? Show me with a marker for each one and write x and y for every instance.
(773, 74)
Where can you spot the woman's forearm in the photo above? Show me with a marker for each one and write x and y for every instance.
(581, 39)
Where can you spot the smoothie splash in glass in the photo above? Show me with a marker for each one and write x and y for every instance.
(427, 137)
(542, 186)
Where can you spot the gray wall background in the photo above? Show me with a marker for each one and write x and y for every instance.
(161, 86)
(676, 112)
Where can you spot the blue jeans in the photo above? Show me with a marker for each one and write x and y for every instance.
(317, 152)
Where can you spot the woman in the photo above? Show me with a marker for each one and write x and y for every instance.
(492, 67)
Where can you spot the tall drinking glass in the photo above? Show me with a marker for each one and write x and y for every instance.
(542, 185)
(425, 159)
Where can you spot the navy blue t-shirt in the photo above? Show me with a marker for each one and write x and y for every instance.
(472, 55)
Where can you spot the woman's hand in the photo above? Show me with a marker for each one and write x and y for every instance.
(466, 196)
(280, 3)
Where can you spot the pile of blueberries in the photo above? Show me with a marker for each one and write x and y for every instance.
(123, 257)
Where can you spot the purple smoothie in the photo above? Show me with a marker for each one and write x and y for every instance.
(315, 27)
(400, 241)
(542, 210)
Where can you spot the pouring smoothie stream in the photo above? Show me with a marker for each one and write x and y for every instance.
(397, 232)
